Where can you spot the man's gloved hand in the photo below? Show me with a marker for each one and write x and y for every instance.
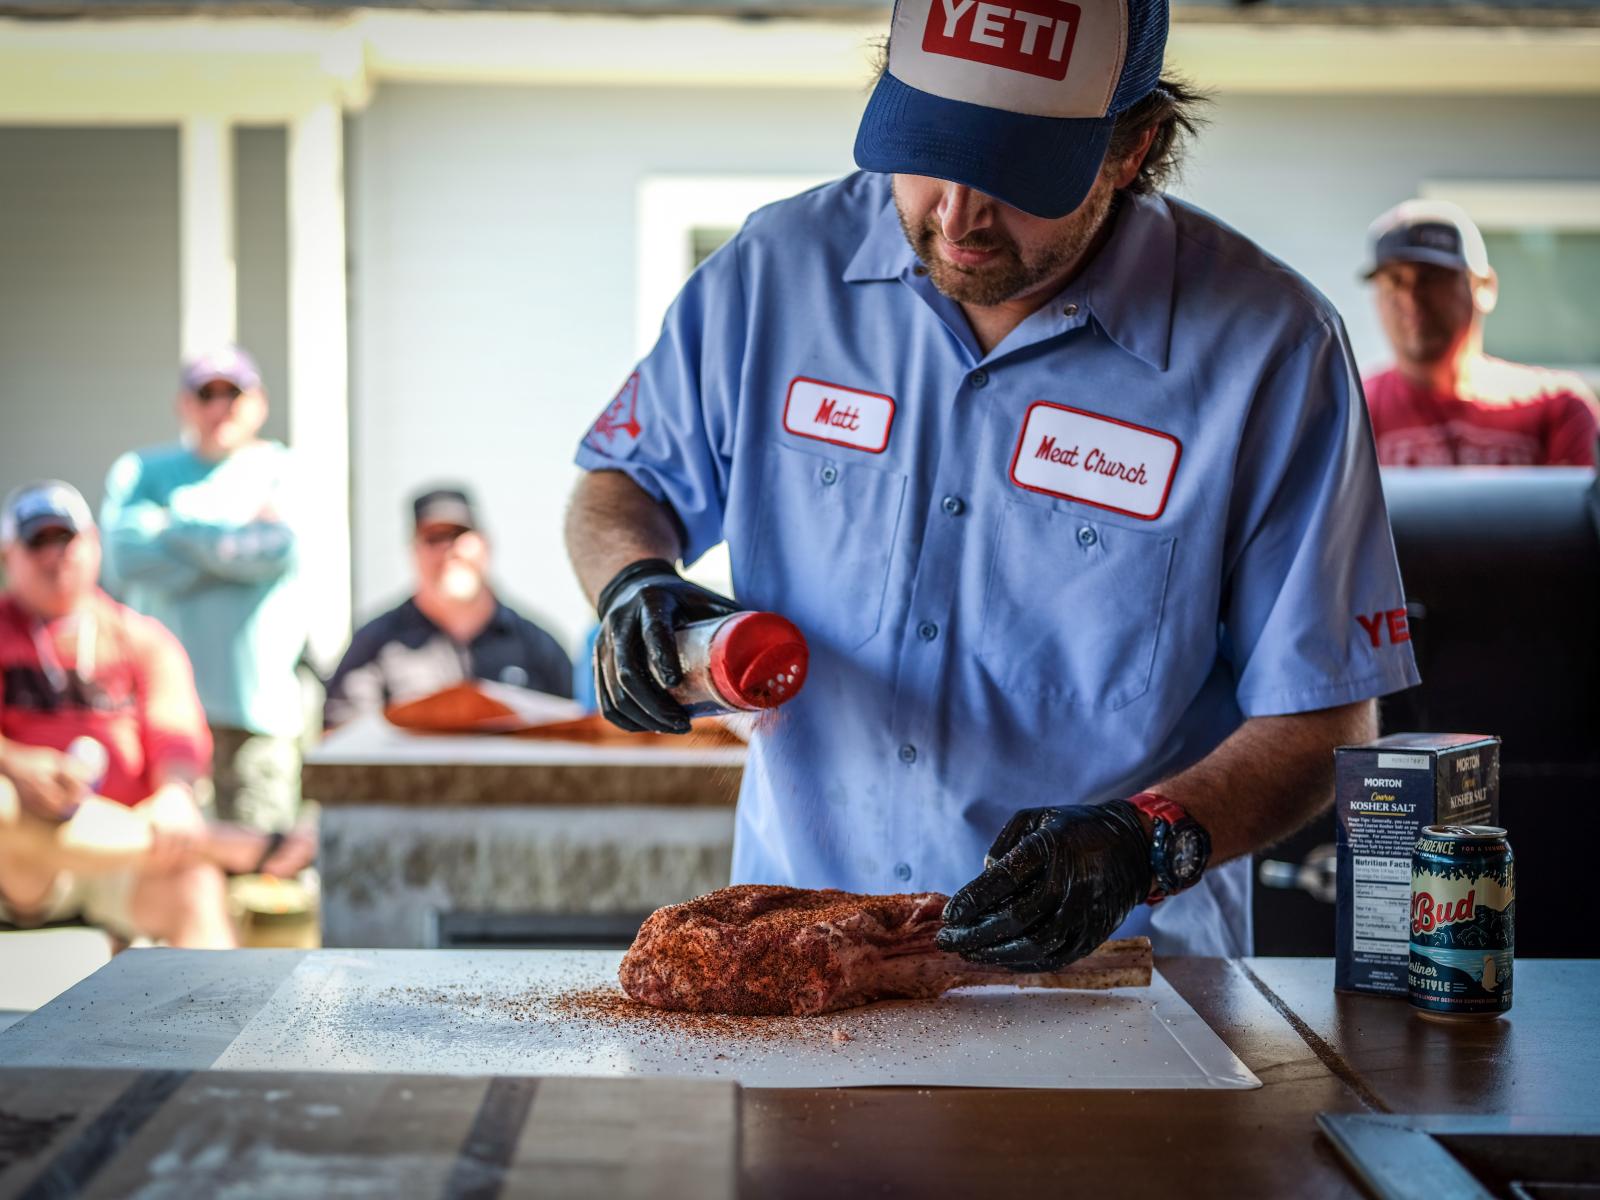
(1057, 882)
(636, 654)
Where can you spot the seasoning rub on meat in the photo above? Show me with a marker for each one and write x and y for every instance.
(772, 951)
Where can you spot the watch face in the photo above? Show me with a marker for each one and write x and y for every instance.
(1188, 854)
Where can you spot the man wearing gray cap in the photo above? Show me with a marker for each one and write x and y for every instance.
(1445, 402)
(202, 536)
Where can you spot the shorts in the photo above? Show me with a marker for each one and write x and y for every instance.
(104, 901)
(255, 778)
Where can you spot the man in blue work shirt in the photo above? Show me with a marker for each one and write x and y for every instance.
(202, 535)
(1069, 486)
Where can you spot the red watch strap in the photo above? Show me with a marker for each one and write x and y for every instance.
(1158, 808)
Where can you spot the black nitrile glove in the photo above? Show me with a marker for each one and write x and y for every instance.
(1056, 883)
(636, 653)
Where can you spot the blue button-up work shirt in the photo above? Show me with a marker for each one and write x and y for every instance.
(999, 619)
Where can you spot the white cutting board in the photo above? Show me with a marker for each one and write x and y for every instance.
(456, 1012)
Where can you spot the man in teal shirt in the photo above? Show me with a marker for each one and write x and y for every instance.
(202, 536)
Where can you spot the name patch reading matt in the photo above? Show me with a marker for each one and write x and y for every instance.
(1095, 460)
(841, 415)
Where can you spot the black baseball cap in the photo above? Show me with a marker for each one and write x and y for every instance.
(45, 504)
(1426, 231)
(444, 506)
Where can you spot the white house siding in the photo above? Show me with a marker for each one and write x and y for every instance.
(261, 240)
(492, 292)
(89, 292)
(1304, 175)
(88, 298)
(494, 260)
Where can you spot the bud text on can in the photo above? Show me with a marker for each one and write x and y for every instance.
(1463, 922)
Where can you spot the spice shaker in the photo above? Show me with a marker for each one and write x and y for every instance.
(745, 662)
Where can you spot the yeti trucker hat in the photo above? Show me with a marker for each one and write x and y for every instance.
(1016, 99)
(1426, 231)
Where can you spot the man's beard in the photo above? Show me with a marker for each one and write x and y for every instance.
(1008, 275)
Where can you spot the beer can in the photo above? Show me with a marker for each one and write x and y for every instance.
(1463, 918)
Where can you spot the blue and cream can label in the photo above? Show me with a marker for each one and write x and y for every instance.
(1463, 922)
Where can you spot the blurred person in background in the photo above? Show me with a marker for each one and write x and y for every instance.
(1445, 402)
(202, 536)
(102, 741)
(454, 628)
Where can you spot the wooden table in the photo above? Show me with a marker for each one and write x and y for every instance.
(1314, 1052)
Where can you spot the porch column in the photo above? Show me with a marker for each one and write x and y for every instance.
(319, 411)
(209, 302)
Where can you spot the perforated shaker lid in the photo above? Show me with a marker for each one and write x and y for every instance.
(759, 660)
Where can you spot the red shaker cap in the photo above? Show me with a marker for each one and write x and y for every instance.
(758, 660)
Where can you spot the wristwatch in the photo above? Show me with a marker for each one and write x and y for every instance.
(1179, 848)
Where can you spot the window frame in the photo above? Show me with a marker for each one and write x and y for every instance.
(1513, 205)
(670, 208)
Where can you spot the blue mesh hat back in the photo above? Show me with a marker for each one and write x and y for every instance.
(1147, 47)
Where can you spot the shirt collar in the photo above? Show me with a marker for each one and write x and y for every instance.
(884, 253)
(1127, 288)
(502, 620)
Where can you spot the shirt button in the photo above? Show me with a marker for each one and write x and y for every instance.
(902, 871)
(952, 505)
(908, 753)
(979, 379)
(927, 631)
(830, 474)
(919, 269)
(1070, 310)
(1087, 536)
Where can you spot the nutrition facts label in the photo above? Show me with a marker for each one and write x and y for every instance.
(1381, 905)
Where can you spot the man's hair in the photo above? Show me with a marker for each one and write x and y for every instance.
(1174, 109)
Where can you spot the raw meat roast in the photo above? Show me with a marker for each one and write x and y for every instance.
(770, 951)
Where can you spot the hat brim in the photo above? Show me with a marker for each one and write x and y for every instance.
(1418, 254)
(1044, 166)
(33, 526)
(200, 382)
(458, 516)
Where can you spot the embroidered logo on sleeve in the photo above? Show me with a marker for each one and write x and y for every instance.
(1390, 621)
(618, 426)
(844, 416)
(1095, 460)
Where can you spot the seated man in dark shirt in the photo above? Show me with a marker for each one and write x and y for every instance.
(452, 630)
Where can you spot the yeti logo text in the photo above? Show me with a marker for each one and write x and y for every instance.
(1032, 36)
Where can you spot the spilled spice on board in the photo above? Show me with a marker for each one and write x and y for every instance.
(616, 1012)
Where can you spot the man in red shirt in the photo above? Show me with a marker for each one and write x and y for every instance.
(102, 739)
(1445, 402)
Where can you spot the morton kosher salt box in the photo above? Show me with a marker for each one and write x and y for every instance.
(1384, 793)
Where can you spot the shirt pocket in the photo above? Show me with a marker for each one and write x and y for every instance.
(1074, 607)
(823, 542)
